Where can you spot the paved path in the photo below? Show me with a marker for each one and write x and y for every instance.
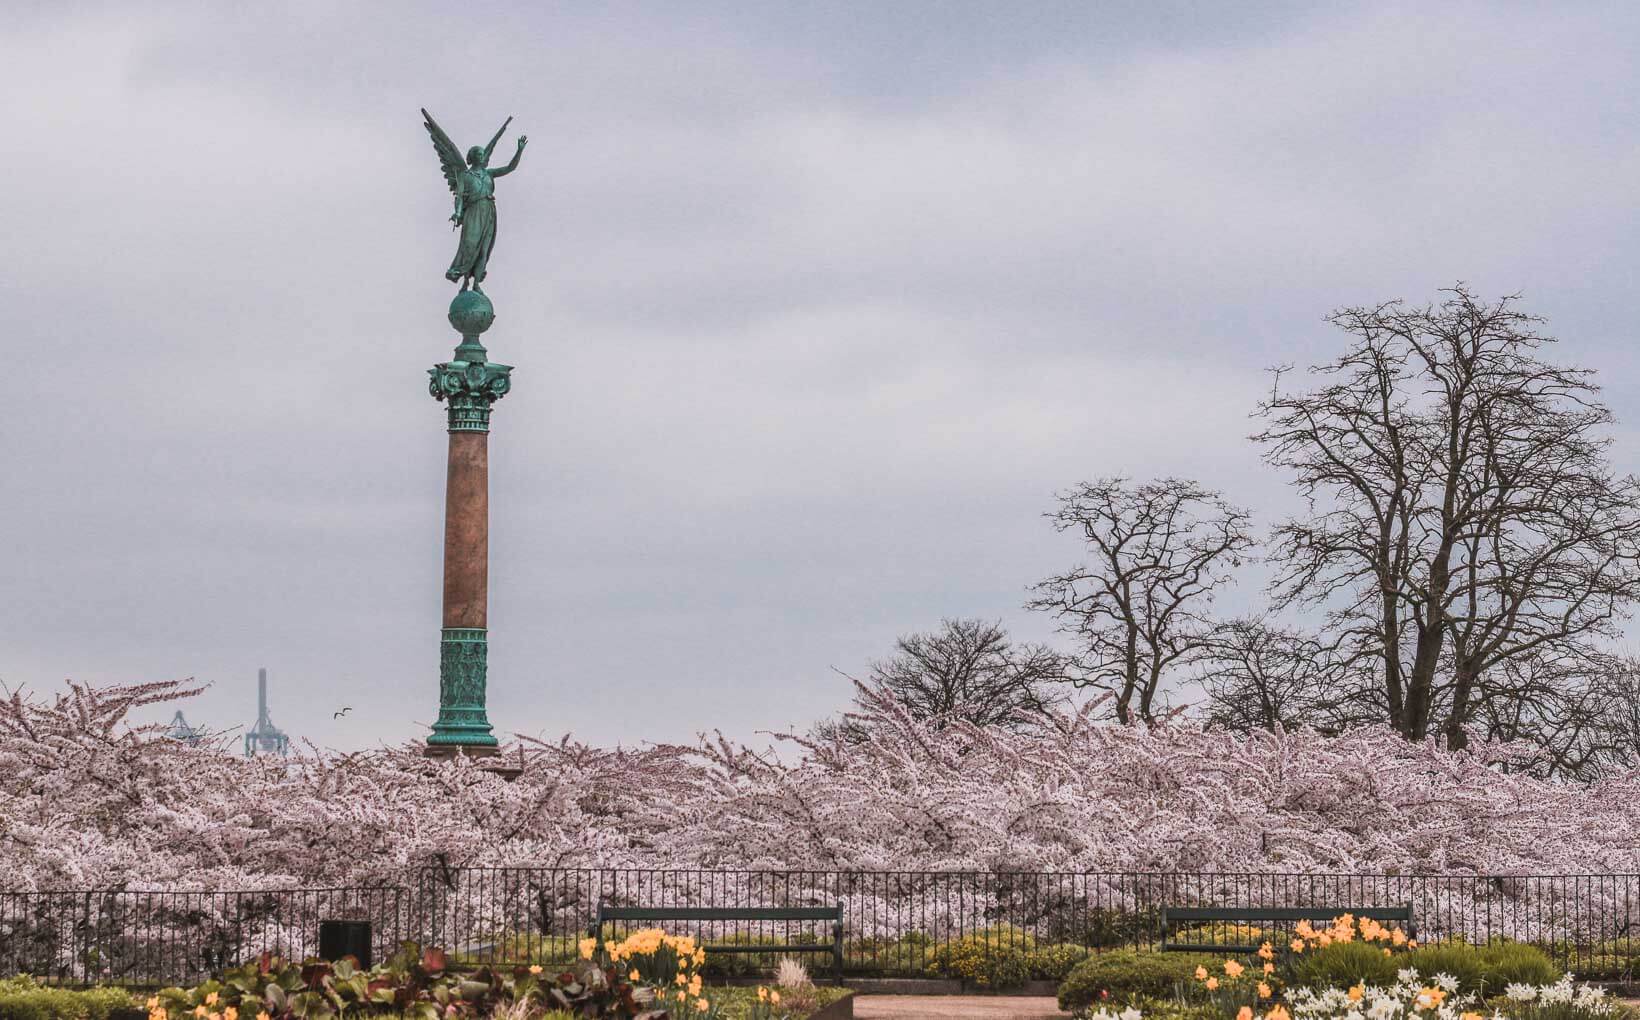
(956, 1007)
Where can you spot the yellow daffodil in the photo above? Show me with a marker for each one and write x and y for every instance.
(231, 1013)
(634, 975)
(1278, 1012)
(1266, 952)
(1355, 993)
(1263, 990)
(1269, 968)
(702, 1005)
(535, 968)
(1244, 1013)
(1212, 983)
(1233, 969)
(1296, 945)
(774, 998)
(762, 994)
(210, 1000)
(587, 947)
(1201, 973)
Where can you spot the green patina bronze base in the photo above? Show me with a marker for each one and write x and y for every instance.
(462, 721)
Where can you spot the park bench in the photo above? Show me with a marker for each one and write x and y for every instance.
(607, 913)
(1252, 915)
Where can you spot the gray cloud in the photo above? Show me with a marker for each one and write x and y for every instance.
(813, 310)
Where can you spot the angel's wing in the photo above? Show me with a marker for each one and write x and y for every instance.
(449, 157)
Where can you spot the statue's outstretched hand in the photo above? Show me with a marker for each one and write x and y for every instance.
(523, 140)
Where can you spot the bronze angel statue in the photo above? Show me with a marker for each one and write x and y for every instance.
(473, 184)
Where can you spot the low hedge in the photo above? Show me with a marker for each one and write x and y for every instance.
(1483, 969)
(1487, 969)
(1343, 964)
(987, 960)
(1053, 961)
(21, 998)
(1128, 974)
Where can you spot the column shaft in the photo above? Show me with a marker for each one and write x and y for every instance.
(467, 531)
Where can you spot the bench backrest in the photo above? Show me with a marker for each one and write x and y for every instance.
(612, 913)
(1239, 914)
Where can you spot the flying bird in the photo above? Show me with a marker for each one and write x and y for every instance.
(345, 709)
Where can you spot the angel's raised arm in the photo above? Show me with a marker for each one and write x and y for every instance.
(523, 140)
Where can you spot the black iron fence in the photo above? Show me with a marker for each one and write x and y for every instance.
(896, 923)
(158, 938)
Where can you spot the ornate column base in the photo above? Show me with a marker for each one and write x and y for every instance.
(462, 723)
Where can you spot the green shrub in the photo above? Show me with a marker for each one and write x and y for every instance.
(1459, 959)
(22, 999)
(1053, 962)
(1482, 970)
(992, 959)
(1343, 964)
(1127, 974)
(1504, 963)
(1487, 969)
(1172, 1009)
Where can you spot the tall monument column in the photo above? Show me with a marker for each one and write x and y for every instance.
(467, 384)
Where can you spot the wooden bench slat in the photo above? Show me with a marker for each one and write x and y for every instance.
(1237, 915)
(801, 947)
(721, 913)
(1282, 913)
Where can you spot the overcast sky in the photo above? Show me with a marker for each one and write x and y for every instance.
(814, 307)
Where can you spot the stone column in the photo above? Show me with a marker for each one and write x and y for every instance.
(468, 384)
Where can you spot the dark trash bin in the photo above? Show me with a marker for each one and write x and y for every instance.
(345, 938)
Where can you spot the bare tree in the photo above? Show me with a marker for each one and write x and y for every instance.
(1560, 702)
(968, 670)
(1619, 723)
(1157, 552)
(1462, 512)
(1257, 675)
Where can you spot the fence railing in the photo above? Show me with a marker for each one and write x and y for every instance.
(896, 923)
(157, 938)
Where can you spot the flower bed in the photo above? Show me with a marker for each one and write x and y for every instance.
(648, 975)
(1352, 969)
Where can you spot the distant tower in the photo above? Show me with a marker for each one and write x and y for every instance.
(180, 731)
(264, 737)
